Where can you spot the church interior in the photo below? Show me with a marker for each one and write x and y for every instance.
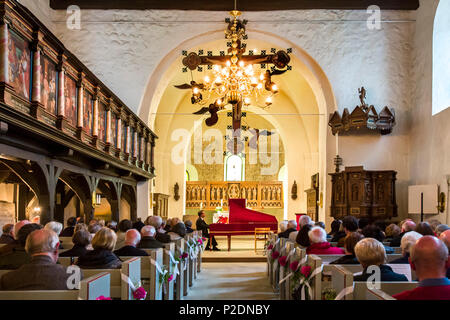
(248, 138)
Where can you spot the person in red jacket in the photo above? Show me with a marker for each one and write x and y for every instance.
(429, 258)
(319, 243)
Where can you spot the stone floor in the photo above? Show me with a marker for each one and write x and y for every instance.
(231, 281)
(226, 279)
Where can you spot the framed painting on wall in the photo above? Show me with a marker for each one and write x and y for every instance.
(70, 103)
(88, 116)
(48, 84)
(19, 64)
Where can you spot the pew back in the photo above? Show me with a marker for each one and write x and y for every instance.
(95, 286)
(131, 273)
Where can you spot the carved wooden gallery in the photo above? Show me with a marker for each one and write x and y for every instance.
(63, 133)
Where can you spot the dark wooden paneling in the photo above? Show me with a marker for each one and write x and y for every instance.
(244, 5)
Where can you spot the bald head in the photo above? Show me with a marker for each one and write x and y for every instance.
(445, 237)
(148, 231)
(132, 237)
(42, 242)
(17, 227)
(429, 257)
(408, 225)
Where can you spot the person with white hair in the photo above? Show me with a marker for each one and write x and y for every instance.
(42, 273)
(148, 240)
(408, 241)
(132, 239)
(55, 226)
(319, 243)
(371, 252)
(157, 223)
(291, 227)
(440, 229)
(283, 225)
(304, 220)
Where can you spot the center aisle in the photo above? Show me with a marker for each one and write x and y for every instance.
(232, 281)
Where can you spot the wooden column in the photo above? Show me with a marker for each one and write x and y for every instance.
(61, 122)
(80, 107)
(36, 99)
(108, 139)
(22, 201)
(95, 117)
(4, 63)
(152, 156)
(119, 133)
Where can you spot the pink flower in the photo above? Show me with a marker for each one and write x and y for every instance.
(275, 255)
(103, 298)
(270, 247)
(170, 278)
(200, 241)
(282, 261)
(203, 238)
(139, 293)
(293, 266)
(306, 271)
(184, 255)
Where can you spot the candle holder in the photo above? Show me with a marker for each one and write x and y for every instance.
(338, 162)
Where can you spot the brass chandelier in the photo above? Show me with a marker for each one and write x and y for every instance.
(235, 78)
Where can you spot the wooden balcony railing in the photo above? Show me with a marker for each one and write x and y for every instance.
(209, 195)
(46, 89)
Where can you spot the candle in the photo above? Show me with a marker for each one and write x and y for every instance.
(337, 143)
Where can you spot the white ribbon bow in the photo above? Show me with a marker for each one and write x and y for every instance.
(306, 282)
(175, 262)
(126, 279)
(344, 292)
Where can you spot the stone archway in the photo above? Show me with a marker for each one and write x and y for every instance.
(305, 65)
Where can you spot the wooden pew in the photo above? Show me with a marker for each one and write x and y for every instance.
(284, 270)
(180, 279)
(90, 289)
(327, 258)
(151, 273)
(192, 262)
(116, 282)
(276, 266)
(67, 261)
(272, 238)
(66, 243)
(200, 253)
(341, 281)
(391, 288)
(131, 269)
(375, 294)
(299, 255)
(169, 249)
(316, 283)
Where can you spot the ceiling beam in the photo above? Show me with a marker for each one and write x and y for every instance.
(244, 5)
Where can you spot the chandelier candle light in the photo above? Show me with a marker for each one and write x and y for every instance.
(235, 79)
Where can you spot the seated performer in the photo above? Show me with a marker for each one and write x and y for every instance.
(203, 227)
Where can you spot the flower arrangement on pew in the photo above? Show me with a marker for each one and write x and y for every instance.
(103, 298)
(300, 281)
(200, 242)
(139, 293)
(165, 276)
(282, 261)
(274, 255)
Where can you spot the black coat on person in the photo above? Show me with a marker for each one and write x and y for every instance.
(150, 243)
(347, 259)
(386, 273)
(285, 233)
(76, 251)
(99, 259)
(130, 251)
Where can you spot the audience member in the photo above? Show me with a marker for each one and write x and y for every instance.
(18, 255)
(124, 226)
(440, 229)
(148, 239)
(81, 239)
(70, 229)
(42, 273)
(372, 231)
(93, 228)
(166, 226)
(102, 256)
(371, 252)
(392, 231)
(303, 237)
(350, 242)
(177, 232)
(320, 224)
(283, 225)
(363, 222)
(7, 236)
(291, 227)
(424, 229)
(429, 258)
(188, 224)
(80, 226)
(56, 227)
(445, 237)
(349, 224)
(204, 228)
(304, 220)
(335, 226)
(409, 239)
(156, 222)
(112, 225)
(138, 224)
(8, 248)
(319, 243)
(132, 239)
(407, 225)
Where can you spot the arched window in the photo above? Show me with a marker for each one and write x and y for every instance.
(234, 168)
(441, 58)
